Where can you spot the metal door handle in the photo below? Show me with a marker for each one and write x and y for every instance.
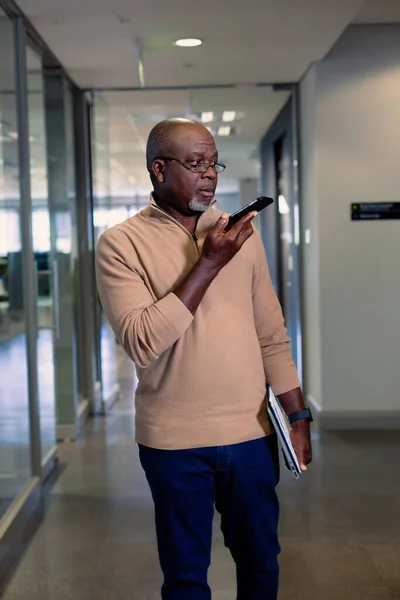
(55, 326)
(56, 300)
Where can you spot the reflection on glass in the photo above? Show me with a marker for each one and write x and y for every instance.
(103, 215)
(14, 422)
(42, 252)
(284, 208)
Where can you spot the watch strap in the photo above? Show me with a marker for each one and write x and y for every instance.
(300, 415)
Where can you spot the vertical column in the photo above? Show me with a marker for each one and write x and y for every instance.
(61, 181)
(102, 201)
(28, 270)
(87, 313)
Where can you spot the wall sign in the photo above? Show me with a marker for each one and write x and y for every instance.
(375, 211)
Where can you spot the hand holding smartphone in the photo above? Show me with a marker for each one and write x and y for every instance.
(256, 205)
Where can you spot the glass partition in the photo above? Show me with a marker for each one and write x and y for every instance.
(45, 266)
(62, 206)
(15, 460)
(103, 216)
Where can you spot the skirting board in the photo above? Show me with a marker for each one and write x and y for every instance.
(16, 527)
(111, 398)
(354, 420)
(49, 463)
(70, 432)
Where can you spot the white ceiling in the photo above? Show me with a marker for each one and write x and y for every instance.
(379, 11)
(267, 41)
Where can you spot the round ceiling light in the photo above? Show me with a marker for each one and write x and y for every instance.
(188, 42)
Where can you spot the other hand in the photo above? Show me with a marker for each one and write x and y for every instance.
(300, 436)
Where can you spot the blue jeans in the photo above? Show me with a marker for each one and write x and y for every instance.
(239, 480)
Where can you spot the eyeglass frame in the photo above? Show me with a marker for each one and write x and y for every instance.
(189, 165)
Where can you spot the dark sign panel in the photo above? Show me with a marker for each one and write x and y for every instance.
(375, 211)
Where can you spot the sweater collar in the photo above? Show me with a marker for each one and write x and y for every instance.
(206, 219)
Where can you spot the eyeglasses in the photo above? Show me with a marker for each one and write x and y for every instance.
(195, 167)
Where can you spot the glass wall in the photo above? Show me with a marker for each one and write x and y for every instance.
(45, 298)
(281, 226)
(104, 216)
(62, 210)
(15, 461)
(43, 253)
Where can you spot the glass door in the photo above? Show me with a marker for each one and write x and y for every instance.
(281, 229)
(285, 158)
(15, 452)
(45, 266)
(103, 215)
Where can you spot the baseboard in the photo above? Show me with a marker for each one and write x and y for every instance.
(66, 433)
(16, 527)
(97, 407)
(359, 420)
(83, 411)
(49, 463)
(83, 415)
(69, 433)
(353, 420)
(313, 404)
(111, 398)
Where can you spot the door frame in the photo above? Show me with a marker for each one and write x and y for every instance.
(285, 125)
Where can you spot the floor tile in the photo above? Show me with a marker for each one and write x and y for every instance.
(340, 532)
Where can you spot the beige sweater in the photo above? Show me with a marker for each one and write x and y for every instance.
(201, 378)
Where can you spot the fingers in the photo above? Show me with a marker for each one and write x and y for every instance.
(243, 223)
(305, 458)
(221, 223)
(244, 235)
(301, 457)
(302, 446)
(304, 461)
(244, 228)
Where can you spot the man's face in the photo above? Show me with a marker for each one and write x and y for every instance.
(180, 188)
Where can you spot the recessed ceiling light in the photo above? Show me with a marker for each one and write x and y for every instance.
(188, 42)
(207, 117)
(228, 116)
(224, 130)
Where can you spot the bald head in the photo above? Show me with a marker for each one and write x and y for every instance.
(164, 138)
(174, 149)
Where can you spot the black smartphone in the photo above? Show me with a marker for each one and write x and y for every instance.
(257, 205)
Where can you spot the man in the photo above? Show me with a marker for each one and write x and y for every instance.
(194, 308)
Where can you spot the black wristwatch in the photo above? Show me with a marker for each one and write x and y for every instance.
(300, 415)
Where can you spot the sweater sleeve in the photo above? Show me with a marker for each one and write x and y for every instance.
(144, 327)
(279, 367)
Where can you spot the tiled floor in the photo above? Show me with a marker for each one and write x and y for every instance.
(14, 412)
(340, 525)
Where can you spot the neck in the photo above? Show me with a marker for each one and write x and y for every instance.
(187, 221)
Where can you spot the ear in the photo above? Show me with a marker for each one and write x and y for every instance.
(158, 170)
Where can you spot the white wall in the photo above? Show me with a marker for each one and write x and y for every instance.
(351, 153)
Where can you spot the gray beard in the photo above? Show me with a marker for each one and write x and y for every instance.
(197, 206)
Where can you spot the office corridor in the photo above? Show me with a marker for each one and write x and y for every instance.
(340, 526)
